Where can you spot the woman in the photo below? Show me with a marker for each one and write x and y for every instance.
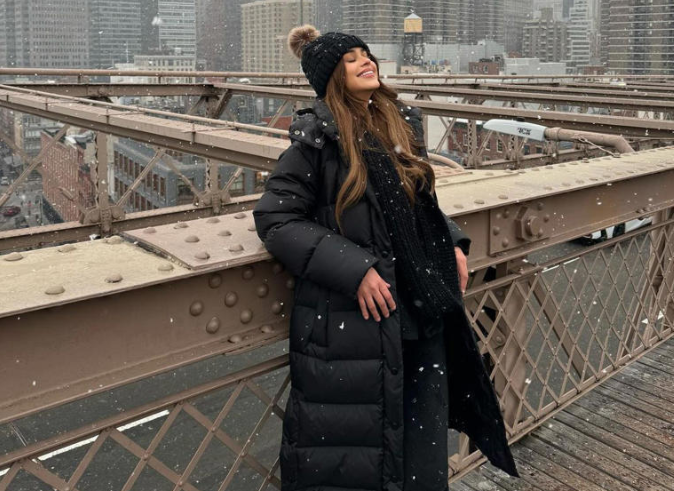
(382, 357)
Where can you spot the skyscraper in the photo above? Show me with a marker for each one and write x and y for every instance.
(219, 34)
(169, 26)
(545, 38)
(115, 32)
(328, 15)
(490, 20)
(639, 37)
(265, 25)
(45, 34)
(583, 33)
(439, 20)
(376, 21)
(517, 13)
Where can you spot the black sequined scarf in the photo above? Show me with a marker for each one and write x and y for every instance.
(423, 248)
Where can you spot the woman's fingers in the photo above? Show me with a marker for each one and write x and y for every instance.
(379, 298)
(363, 307)
(388, 297)
(373, 308)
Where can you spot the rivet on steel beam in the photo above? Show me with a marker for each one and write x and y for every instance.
(496, 230)
(214, 429)
(594, 179)
(548, 188)
(540, 232)
(146, 456)
(246, 316)
(236, 338)
(213, 325)
(213, 220)
(67, 248)
(197, 308)
(165, 267)
(566, 184)
(262, 291)
(277, 268)
(539, 205)
(215, 280)
(203, 255)
(506, 213)
(240, 215)
(290, 284)
(55, 290)
(235, 248)
(224, 233)
(114, 240)
(150, 230)
(458, 205)
(267, 329)
(561, 165)
(503, 196)
(505, 242)
(191, 239)
(277, 307)
(180, 225)
(546, 218)
(574, 163)
(490, 173)
(114, 278)
(230, 299)
(14, 256)
(251, 228)
(479, 201)
(248, 273)
(579, 181)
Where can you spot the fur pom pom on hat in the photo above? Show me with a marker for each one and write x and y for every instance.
(320, 54)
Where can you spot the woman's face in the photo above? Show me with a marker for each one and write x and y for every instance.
(361, 73)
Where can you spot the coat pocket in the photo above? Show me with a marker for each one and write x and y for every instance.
(351, 337)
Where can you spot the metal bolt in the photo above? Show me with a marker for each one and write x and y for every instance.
(215, 280)
(290, 284)
(240, 215)
(479, 202)
(251, 227)
(114, 278)
(246, 316)
(55, 290)
(458, 205)
(496, 230)
(213, 220)
(267, 329)
(14, 256)
(213, 325)
(248, 273)
(180, 225)
(191, 239)
(230, 299)
(165, 267)
(505, 242)
(203, 255)
(277, 269)
(277, 307)
(224, 233)
(540, 205)
(67, 248)
(236, 338)
(506, 213)
(150, 230)
(235, 248)
(503, 196)
(262, 291)
(114, 240)
(197, 308)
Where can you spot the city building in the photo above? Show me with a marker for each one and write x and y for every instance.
(484, 67)
(583, 34)
(489, 21)
(25, 129)
(517, 14)
(545, 38)
(378, 22)
(265, 26)
(219, 34)
(557, 7)
(532, 66)
(67, 181)
(439, 20)
(43, 34)
(638, 37)
(169, 26)
(114, 32)
(328, 15)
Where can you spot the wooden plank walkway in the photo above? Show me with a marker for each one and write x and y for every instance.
(619, 437)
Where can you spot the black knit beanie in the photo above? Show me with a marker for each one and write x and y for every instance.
(320, 54)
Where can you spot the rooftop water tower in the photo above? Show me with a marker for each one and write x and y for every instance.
(413, 41)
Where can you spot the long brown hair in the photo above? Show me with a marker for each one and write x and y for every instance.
(383, 119)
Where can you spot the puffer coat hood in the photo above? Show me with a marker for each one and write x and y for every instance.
(343, 425)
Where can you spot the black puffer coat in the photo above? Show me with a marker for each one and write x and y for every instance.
(343, 422)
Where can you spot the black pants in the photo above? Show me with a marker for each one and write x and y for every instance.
(425, 408)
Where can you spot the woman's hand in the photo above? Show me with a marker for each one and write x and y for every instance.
(373, 292)
(462, 266)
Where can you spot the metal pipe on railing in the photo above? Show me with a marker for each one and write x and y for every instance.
(614, 141)
(441, 159)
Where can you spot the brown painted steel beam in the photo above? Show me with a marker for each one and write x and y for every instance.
(88, 90)
(599, 90)
(533, 97)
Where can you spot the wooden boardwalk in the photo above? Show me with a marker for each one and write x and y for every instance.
(619, 437)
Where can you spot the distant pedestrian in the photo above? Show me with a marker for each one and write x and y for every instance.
(382, 357)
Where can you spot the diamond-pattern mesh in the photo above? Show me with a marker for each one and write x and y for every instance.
(547, 334)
